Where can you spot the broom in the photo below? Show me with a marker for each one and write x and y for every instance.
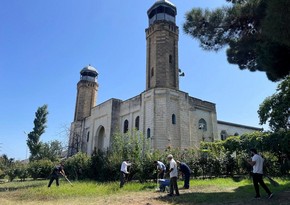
(67, 179)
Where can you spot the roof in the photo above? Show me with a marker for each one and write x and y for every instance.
(162, 2)
(89, 70)
(239, 125)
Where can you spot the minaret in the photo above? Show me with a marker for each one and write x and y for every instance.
(162, 46)
(87, 90)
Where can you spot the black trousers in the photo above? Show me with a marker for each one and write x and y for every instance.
(52, 178)
(186, 181)
(258, 179)
(122, 179)
(173, 186)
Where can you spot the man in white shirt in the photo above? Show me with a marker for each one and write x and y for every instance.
(173, 175)
(161, 168)
(124, 172)
(257, 164)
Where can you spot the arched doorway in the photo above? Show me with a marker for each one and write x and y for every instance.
(100, 138)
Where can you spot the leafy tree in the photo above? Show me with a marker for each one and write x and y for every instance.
(50, 150)
(255, 32)
(33, 141)
(276, 108)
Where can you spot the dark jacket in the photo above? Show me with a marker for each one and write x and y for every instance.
(184, 168)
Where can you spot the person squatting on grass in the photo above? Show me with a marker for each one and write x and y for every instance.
(257, 163)
(124, 172)
(185, 170)
(173, 172)
(161, 168)
(57, 170)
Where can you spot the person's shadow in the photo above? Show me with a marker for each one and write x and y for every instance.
(244, 194)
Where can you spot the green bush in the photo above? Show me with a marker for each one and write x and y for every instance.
(2, 174)
(22, 172)
(11, 173)
(78, 166)
(40, 168)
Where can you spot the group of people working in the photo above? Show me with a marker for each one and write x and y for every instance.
(174, 166)
(256, 162)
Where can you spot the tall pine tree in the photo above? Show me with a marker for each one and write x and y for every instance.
(33, 141)
(256, 34)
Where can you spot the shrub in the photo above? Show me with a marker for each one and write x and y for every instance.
(40, 168)
(77, 166)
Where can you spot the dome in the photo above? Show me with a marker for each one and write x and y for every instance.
(89, 71)
(162, 10)
(164, 1)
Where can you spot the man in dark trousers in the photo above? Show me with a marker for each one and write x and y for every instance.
(124, 172)
(57, 170)
(173, 172)
(185, 170)
(257, 163)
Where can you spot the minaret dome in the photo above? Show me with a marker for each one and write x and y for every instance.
(89, 73)
(162, 10)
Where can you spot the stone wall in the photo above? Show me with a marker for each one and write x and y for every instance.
(86, 99)
(162, 55)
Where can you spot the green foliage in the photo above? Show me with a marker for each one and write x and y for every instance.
(50, 150)
(276, 108)
(132, 146)
(17, 169)
(77, 166)
(22, 172)
(256, 33)
(234, 152)
(33, 141)
(40, 168)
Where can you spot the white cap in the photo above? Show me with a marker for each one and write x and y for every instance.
(170, 156)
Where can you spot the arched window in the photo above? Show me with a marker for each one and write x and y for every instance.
(224, 135)
(152, 72)
(170, 58)
(202, 125)
(173, 119)
(88, 136)
(126, 126)
(137, 122)
(148, 133)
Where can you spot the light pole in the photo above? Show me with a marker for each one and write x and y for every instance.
(26, 146)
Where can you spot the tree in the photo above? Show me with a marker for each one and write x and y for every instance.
(33, 141)
(276, 108)
(50, 150)
(255, 32)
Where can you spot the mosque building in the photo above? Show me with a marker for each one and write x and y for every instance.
(164, 114)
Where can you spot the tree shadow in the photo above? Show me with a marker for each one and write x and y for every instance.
(241, 195)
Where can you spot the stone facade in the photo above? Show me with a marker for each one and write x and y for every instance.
(165, 115)
(86, 99)
(162, 55)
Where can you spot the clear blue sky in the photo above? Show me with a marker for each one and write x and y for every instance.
(44, 44)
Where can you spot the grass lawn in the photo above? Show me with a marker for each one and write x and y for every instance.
(213, 191)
